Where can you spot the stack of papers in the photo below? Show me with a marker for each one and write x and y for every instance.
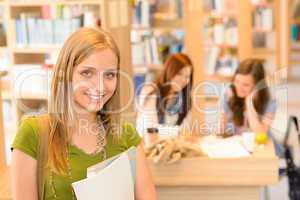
(111, 179)
(224, 148)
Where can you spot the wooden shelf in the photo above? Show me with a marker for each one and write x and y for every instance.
(263, 4)
(293, 80)
(295, 62)
(37, 50)
(259, 30)
(155, 28)
(295, 21)
(49, 2)
(142, 69)
(33, 96)
(29, 3)
(3, 73)
(295, 50)
(218, 14)
(169, 23)
(263, 53)
(212, 44)
(218, 78)
(74, 2)
(263, 50)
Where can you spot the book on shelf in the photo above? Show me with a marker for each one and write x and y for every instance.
(146, 52)
(263, 19)
(146, 10)
(173, 9)
(220, 6)
(153, 48)
(3, 37)
(226, 65)
(212, 60)
(296, 9)
(262, 40)
(4, 59)
(295, 32)
(213, 5)
(34, 29)
(142, 14)
(222, 62)
(221, 32)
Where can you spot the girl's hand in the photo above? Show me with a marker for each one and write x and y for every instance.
(249, 103)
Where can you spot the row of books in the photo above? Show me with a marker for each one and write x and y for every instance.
(145, 52)
(220, 5)
(222, 32)
(295, 32)
(146, 10)
(263, 40)
(263, 19)
(173, 8)
(220, 62)
(45, 29)
(153, 48)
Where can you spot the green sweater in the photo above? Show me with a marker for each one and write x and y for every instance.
(26, 140)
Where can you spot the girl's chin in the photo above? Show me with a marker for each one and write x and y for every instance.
(241, 95)
(91, 107)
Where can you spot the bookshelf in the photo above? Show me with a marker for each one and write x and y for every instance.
(157, 31)
(266, 33)
(30, 51)
(266, 22)
(293, 40)
(224, 22)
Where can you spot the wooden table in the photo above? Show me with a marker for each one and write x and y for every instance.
(214, 179)
(204, 178)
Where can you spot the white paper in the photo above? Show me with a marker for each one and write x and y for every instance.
(113, 182)
(224, 148)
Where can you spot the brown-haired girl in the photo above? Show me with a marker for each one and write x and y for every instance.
(248, 105)
(168, 99)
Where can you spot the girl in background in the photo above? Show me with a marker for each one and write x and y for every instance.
(167, 100)
(247, 102)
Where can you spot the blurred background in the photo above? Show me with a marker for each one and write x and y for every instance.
(217, 34)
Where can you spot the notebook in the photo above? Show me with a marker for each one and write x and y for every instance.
(111, 179)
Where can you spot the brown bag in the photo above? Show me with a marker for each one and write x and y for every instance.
(43, 122)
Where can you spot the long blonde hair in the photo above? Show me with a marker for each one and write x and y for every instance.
(78, 47)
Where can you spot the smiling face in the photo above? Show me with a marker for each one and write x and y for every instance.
(244, 85)
(181, 79)
(95, 80)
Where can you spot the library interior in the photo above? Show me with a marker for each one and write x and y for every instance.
(204, 93)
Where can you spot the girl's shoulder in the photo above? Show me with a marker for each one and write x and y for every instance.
(228, 93)
(130, 135)
(26, 139)
(148, 89)
(148, 92)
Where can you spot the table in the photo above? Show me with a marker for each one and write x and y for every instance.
(214, 179)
